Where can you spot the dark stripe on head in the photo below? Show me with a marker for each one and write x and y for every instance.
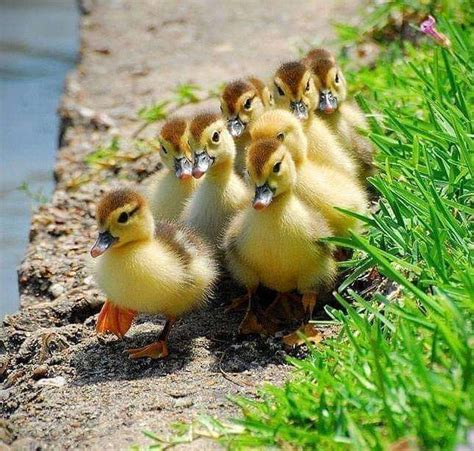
(117, 199)
(291, 74)
(173, 130)
(259, 153)
(321, 67)
(201, 121)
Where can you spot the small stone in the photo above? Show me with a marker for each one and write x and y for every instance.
(183, 403)
(56, 290)
(58, 381)
(40, 372)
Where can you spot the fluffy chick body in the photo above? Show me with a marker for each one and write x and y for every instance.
(170, 189)
(222, 192)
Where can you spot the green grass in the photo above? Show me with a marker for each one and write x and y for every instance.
(401, 368)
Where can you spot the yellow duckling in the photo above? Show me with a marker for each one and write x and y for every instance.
(141, 266)
(242, 102)
(319, 186)
(222, 193)
(295, 91)
(344, 118)
(276, 241)
(172, 187)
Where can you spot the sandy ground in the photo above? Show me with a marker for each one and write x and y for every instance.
(62, 387)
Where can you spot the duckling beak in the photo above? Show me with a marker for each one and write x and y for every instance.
(183, 168)
(202, 162)
(104, 241)
(235, 126)
(327, 102)
(299, 109)
(263, 197)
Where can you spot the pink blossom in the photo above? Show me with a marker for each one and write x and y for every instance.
(428, 27)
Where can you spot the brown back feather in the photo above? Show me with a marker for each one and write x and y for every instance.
(117, 199)
(173, 130)
(291, 74)
(259, 153)
(201, 121)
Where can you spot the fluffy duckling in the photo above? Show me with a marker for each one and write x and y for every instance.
(243, 101)
(143, 266)
(172, 187)
(320, 186)
(222, 192)
(295, 91)
(343, 117)
(276, 240)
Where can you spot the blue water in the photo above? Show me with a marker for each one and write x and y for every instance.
(38, 46)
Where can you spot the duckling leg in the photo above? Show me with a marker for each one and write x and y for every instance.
(156, 350)
(309, 331)
(237, 304)
(250, 323)
(114, 319)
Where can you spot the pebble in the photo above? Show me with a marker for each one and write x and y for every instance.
(183, 403)
(40, 372)
(58, 381)
(56, 290)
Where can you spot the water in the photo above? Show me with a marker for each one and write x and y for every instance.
(38, 46)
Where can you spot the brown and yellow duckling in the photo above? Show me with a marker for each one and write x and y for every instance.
(295, 91)
(173, 185)
(222, 193)
(275, 241)
(343, 117)
(143, 266)
(242, 102)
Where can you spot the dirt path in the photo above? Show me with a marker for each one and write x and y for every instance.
(62, 387)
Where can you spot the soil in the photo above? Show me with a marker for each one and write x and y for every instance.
(62, 386)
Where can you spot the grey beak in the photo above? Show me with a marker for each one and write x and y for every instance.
(263, 197)
(183, 168)
(327, 102)
(103, 242)
(202, 162)
(299, 109)
(235, 126)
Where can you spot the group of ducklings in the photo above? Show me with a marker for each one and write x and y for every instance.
(253, 188)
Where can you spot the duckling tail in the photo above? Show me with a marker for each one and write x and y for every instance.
(114, 319)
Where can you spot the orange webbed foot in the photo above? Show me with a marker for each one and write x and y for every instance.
(251, 325)
(307, 332)
(156, 350)
(238, 304)
(114, 319)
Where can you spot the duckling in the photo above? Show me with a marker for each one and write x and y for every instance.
(295, 91)
(275, 241)
(243, 101)
(320, 186)
(172, 187)
(344, 118)
(143, 266)
(222, 192)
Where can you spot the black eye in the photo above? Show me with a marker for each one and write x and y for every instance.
(163, 149)
(123, 218)
(307, 86)
(280, 91)
(276, 168)
(222, 109)
(281, 136)
(336, 79)
(248, 104)
(215, 137)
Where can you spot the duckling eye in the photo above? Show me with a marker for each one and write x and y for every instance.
(248, 104)
(215, 137)
(163, 149)
(123, 218)
(276, 168)
(280, 91)
(336, 79)
(281, 136)
(222, 109)
(307, 86)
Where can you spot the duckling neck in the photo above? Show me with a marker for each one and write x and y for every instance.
(279, 203)
(221, 172)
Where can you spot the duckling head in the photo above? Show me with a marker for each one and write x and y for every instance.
(122, 216)
(271, 170)
(329, 81)
(294, 89)
(284, 126)
(174, 148)
(211, 143)
(317, 54)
